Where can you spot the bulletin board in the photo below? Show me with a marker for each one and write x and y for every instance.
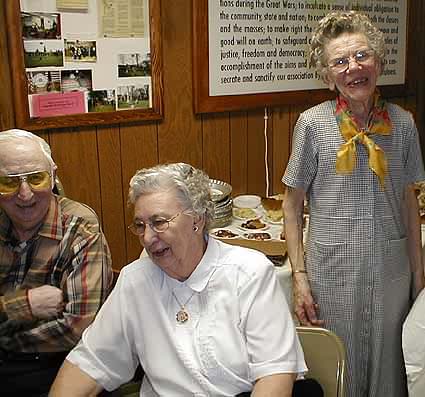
(85, 62)
(256, 52)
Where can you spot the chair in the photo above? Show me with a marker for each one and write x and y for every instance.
(58, 188)
(324, 354)
(130, 389)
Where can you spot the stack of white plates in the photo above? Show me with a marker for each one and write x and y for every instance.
(220, 195)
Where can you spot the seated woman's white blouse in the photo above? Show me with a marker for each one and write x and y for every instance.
(414, 347)
(239, 327)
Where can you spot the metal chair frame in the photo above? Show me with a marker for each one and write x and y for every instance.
(325, 356)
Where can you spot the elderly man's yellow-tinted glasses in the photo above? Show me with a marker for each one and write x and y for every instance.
(37, 180)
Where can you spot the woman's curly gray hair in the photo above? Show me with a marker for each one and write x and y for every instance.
(191, 184)
(337, 23)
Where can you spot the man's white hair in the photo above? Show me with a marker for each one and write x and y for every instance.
(17, 134)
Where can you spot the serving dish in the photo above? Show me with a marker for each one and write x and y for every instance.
(244, 213)
(247, 201)
(254, 224)
(259, 236)
(274, 216)
(224, 233)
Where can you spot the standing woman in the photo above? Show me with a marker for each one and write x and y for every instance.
(356, 159)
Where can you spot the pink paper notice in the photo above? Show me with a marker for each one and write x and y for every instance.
(58, 104)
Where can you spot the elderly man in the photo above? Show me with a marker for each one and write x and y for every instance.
(55, 267)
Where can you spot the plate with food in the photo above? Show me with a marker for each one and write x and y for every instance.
(244, 213)
(274, 216)
(254, 224)
(224, 233)
(260, 236)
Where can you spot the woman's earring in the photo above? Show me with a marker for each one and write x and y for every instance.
(195, 228)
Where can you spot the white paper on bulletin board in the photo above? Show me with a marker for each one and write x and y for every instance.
(260, 46)
(110, 52)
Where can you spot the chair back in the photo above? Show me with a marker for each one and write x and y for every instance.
(324, 354)
(58, 188)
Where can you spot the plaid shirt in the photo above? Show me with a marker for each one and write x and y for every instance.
(69, 252)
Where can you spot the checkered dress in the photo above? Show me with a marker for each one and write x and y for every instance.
(357, 257)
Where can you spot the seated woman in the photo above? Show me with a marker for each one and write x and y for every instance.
(202, 317)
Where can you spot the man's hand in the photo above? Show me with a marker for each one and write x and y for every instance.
(304, 306)
(46, 301)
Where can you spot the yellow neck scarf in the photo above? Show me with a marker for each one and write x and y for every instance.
(379, 123)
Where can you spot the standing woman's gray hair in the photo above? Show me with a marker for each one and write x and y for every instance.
(337, 23)
(190, 183)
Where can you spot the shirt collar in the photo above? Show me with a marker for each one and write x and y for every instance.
(200, 277)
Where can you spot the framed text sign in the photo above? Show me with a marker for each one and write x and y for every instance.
(256, 52)
(85, 62)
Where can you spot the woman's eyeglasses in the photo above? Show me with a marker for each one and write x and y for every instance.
(340, 65)
(37, 180)
(158, 225)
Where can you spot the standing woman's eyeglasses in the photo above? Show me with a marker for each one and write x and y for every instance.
(362, 57)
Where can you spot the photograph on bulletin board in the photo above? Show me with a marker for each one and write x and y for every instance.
(85, 58)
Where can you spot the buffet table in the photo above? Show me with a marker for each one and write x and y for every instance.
(274, 248)
(266, 239)
(278, 247)
(271, 247)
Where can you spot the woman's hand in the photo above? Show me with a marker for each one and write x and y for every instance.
(305, 308)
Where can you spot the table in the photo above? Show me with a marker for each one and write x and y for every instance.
(268, 247)
(274, 247)
(277, 247)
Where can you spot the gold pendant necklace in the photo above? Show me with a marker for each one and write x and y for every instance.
(182, 315)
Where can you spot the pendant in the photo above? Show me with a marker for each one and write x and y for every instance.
(182, 316)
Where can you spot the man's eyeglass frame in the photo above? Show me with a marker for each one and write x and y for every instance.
(26, 177)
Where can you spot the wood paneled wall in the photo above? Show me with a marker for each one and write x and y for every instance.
(96, 163)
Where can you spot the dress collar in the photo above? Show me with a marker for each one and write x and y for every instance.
(200, 277)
